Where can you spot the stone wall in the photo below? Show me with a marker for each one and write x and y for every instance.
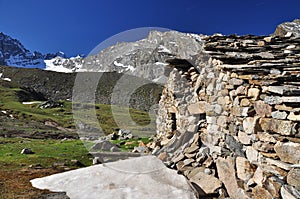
(229, 120)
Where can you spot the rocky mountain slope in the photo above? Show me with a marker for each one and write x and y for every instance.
(13, 53)
(288, 28)
(59, 86)
(145, 58)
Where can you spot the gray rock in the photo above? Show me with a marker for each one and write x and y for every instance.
(146, 177)
(260, 192)
(272, 100)
(104, 146)
(262, 109)
(27, 151)
(226, 173)
(178, 158)
(289, 192)
(140, 149)
(234, 145)
(244, 138)
(293, 178)
(201, 179)
(254, 93)
(251, 154)
(197, 108)
(279, 115)
(56, 195)
(124, 134)
(245, 170)
(278, 163)
(236, 82)
(282, 127)
(288, 152)
(97, 160)
(51, 104)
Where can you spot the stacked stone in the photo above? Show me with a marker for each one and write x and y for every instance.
(231, 123)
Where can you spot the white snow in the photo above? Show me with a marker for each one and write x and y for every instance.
(288, 34)
(163, 49)
(4, 78)
(195, 36)
(174, 43)
(57, 64)
(131, 68)
(291, 47)
(58, 68)
(161, 64)
(28, 103)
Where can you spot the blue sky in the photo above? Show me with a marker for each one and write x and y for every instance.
(77, 26)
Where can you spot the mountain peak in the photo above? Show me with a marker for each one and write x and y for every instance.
(13, 53)
(288, 28)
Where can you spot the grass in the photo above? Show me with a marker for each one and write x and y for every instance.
(135, 121)
(51, 156)
(46, 153)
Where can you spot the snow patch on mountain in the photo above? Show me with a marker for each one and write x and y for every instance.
(163, 49)
(4, 78)
(64, 65)
(131, 68)
(13, 53)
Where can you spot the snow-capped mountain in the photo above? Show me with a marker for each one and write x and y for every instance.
(144, 58)
(13, 53)
(147, 57)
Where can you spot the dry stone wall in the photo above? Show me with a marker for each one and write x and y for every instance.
(229, 120)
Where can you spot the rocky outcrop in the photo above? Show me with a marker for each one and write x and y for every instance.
(288, 28)
(228, 119)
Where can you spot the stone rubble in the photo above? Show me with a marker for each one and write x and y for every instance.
(229, 120)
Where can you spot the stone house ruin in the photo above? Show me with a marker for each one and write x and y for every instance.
(229, 119)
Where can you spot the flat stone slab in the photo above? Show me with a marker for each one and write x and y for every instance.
(134, 178)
